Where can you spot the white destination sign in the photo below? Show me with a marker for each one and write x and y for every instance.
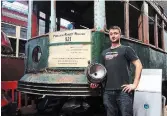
(80, 35)
(70, 55)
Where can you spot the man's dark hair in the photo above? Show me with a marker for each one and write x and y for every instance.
(116, 27)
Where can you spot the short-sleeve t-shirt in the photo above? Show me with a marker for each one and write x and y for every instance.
(117, 63)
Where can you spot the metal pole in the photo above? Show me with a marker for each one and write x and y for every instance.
(18, 30)
(99, 15)
(30, 8)
(53, 16)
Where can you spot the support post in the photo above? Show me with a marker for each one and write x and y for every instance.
(155, 31)
(140, 28)
(99, 15)
(53, 16)
(30, 8)
(18, 29)
(145, 24)
(126, 18)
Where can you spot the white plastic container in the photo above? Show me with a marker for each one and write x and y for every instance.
(148, 94)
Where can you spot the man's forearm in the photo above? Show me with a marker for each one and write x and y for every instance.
(137, 74)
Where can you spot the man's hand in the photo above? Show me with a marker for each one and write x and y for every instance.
(94, 85)
(128, 87)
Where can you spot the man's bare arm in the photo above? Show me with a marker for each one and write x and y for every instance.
(138, 70)
(130, 87)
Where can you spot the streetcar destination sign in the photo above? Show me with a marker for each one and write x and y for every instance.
(71, 48)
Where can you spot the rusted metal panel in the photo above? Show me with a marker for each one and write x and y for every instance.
(32, 65)
(156, 32)
(126, 18)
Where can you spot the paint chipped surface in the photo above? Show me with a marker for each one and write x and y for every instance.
(55, 78)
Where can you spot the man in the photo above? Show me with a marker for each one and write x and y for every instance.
(117, 96)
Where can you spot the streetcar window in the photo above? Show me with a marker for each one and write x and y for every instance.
(36, 54)
(151, 13)
(134, 14)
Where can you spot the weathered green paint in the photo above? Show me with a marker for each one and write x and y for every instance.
(55, 78)
(96, 49)
(30, 64)
(158, 61)
(97, 46)
(150, 58)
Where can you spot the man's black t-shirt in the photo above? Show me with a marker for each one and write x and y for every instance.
(117, 63)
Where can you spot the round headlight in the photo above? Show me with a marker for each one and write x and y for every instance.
(96, 73)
